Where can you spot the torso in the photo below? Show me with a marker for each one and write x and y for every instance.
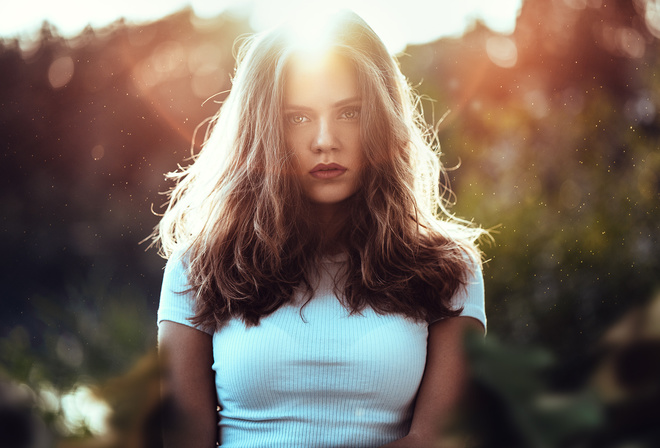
(322, 377)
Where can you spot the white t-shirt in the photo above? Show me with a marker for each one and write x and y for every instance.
(316, 377)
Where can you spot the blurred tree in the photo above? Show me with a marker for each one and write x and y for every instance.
(556, 132)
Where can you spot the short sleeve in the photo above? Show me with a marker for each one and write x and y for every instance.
(472, 296)
(176, 302)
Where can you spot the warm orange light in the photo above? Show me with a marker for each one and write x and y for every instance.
(309, 28)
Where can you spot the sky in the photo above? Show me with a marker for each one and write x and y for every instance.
(398, 22)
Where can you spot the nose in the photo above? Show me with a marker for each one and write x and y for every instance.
(326, 138)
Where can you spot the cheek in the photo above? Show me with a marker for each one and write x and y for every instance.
(359, 156)
(296, 141)
(355, 142)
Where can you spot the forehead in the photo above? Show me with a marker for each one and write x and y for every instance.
(319, 79)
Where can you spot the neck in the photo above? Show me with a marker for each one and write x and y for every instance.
(330, 219)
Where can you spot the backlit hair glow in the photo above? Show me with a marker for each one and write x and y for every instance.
(239, 215)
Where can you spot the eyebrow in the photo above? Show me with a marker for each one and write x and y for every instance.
(339, 103)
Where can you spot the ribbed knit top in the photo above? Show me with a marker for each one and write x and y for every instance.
(315, 376)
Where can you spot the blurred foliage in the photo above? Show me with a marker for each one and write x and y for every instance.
(560, 153)
(512, 404)
(553, 138)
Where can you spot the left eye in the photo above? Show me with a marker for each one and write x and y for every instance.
(351, 114)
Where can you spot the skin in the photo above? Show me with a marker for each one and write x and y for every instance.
(322, 111)
(443, 383)
(187, 357)
(322, 108)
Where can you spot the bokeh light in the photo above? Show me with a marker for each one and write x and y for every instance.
(60, 72)
(398, 23)
(502, 51)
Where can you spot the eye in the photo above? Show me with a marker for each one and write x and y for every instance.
(351, 114)
(297, 119)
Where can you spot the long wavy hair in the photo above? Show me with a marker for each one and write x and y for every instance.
(241, 218)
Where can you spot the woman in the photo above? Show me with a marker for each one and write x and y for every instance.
(317, 291)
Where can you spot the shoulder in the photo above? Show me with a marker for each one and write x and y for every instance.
(177, 303)
(471, 297)
(175, 277)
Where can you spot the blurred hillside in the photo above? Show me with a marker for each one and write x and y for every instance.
(556, 132)
(89, 127)
(555, 129)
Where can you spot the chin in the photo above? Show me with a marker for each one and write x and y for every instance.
(330, 201)
(326, 202)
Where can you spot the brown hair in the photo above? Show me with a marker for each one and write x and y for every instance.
(245, 226)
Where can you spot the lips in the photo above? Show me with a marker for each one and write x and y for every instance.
(329, 171)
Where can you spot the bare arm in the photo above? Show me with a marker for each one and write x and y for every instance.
(444, 379)
(188, 387)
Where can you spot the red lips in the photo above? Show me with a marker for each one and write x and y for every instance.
(329, 171)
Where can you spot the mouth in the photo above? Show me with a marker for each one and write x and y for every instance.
(329, 171)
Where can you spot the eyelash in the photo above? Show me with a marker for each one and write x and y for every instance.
(293, 118)
(353, 110)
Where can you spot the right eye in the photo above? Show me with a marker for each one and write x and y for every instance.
(297, 119)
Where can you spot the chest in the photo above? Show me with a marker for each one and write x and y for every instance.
(320, 352)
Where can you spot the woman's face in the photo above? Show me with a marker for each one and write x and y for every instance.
(322, 127)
